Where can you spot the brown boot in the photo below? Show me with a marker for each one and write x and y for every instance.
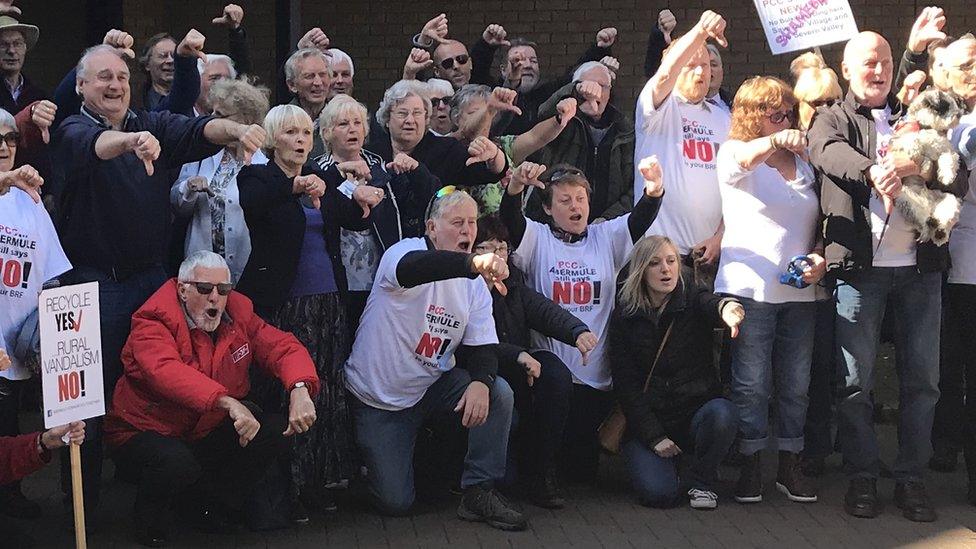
(792, 482)
(749, 488)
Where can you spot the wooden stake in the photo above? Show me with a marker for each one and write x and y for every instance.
(78, 497)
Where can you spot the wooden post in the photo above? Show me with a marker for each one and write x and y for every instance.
(78, 497)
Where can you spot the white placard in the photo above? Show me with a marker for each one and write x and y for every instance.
(71, 354)
(792, 25)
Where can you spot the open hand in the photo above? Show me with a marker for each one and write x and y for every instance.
(926, 29)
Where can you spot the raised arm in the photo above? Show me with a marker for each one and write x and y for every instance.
(657, 41)
(543, 132)
(645, 211)
(660, 86)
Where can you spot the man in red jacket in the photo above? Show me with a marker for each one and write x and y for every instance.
(178, 421)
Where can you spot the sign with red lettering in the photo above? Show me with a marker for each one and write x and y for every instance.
(792, 25)
(71, 354)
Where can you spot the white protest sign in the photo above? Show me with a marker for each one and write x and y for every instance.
(792, 25)
(71, 354)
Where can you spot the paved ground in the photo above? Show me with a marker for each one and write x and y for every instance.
(603, 516)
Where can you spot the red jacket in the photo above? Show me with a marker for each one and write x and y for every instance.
(19, 457)
(173, 376)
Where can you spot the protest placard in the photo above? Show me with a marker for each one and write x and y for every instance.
(792, 25)
(71, 354)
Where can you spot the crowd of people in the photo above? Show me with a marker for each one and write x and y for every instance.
(487, 279)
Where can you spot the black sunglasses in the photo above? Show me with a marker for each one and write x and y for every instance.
(460, 59)
(434, 101)
(11, 138)
(778, 117)
(563, 173)
(204, 288)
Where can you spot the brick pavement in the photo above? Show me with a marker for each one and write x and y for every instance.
(601, 516)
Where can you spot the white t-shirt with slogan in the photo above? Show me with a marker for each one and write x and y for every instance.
(30, 255)
(686, 138)
(579, 277)
(407, 336)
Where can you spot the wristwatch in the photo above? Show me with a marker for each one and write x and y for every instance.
(298, 385)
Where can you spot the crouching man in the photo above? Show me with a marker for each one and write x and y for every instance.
(179, 423)
(427, 300)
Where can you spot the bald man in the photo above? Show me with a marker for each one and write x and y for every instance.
(872, 251)
(452, 63)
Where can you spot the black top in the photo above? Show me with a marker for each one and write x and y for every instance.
(445, 157)
(29, 93)
(114, 215)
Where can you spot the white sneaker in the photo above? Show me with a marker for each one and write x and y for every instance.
(702, 499)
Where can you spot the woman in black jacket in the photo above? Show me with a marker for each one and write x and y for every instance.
(296, 279)
(541, 381)
(660, 311)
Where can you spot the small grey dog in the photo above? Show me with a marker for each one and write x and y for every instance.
(923, 136)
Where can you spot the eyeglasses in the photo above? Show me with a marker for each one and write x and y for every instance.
(441, 193)
(403, 115)
(778, 117)
(448, 63)
(11, 139)
(564, 173)
(485, 248)
(15, 45)
(204, 288)
(435, 101)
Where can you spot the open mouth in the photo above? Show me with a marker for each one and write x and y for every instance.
(300, 151)
(464, 245)
(212, 312)
(666, 280)
(576, 218)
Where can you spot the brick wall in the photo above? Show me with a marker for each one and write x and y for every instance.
(376, 32)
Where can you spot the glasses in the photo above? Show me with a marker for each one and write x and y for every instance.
(441, 193)
(204, 288)
(448, 63)
(11, 139)
(779, 117)
(15, 45)
(485, 248)
(403, 115)
(435, 101)
(564, 173)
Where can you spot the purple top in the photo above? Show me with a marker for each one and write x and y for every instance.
(314, 274)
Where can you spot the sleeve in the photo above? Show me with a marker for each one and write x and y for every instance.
(710, 305)
(184, 201)
(832, 154)
(239, 50)
(628, 385)
(964, 139)
(480, 333)
(55, 261)
(655, 51)
(181, 138)
(525, 252)
(730, 172)
(66, 99)
(641, 218)
(19, 457)
(281, 355)
(337, 205)
(508, 353)
(31, 143)
(424, 266)
(482, 56)
(481, 362)
(186, 87)
(510, 213)
(910, 62)
(259, 192)
(151, 359)
(549, 319)
(478, 173)
(548, 108)
(75, 144)
(647, 115)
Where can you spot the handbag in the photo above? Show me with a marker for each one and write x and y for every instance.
(611, 431)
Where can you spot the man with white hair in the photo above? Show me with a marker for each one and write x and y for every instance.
(179, 420)
(308, 74)
(599, 140)
(216, 68)
(343, 72)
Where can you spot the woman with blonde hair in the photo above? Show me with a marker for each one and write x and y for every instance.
(664, 379)
(816, 85)
(771, 209)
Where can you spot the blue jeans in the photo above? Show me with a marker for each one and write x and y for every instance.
(775, 343)
(117, 301)
(917, 308)
(656, 478)
(386, 439)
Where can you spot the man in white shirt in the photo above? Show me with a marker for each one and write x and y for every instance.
(674, 122)
(427, 300)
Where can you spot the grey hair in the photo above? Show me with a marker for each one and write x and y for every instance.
(439, 86)
(292, 62)
(587, 67)
(7, 119)
(337, 106)
(398, 92)
(247, 99)
(278, 117)
(439, 205)
(201, 258)
(213, 58)
(712, 48)
(100, 48)
(464, 95)
(338, 56)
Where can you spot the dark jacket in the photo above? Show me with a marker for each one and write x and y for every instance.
(183, 93)
(276, 222)
(482, 59)
(608, 165)
(843, 146)
(525, 309)
(445, 157)
(29, 93)
(685, 377)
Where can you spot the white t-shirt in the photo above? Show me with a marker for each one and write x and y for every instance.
(30, 255)
(580, 277)
(897, 247)
(686, 138)
(407, 336)
(768, 221)
(962, 239)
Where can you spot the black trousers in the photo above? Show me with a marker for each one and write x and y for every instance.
(214, 472)
(580, 455)
(9, 417)
(955, 413)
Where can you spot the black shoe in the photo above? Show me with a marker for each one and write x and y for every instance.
(861, 499)
(153, 537)
(545, 492)
(944, 460)
(15, 504)
(483, 503)
(297, 512)
(792, 482)
(749, 488)
(913, 500)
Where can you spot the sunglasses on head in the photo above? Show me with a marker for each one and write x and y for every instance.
(204, 288)
(563, 173)
(435, 101)
(11, 138)
(441, 193)
(448, 63)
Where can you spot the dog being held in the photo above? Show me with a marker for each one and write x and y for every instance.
(923, 136)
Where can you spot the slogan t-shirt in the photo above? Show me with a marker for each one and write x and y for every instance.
(893, 245)
(30, 255)
(580, 278)
(407, 336)
(686, 138)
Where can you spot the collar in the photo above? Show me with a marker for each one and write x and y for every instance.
(567, 237)
(892, 103)
(224, 318)
(102, 121)
(19, 86)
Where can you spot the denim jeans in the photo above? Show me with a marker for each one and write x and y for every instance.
(117, 301)
(916, 305)
(774, 349)
(655, 478)
(818, 440)
(386, 439)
